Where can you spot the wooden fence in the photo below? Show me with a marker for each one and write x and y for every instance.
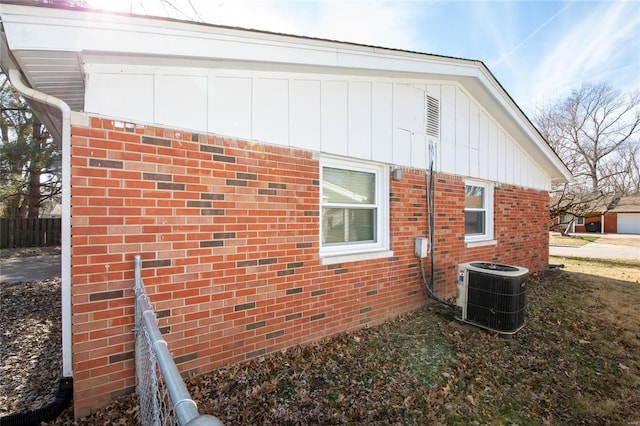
(18, 232)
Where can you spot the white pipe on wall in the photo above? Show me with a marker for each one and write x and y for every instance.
(16, 79)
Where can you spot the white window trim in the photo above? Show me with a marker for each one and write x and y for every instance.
(365, 251)
(488, 235)
(579, 220)
(482, 243)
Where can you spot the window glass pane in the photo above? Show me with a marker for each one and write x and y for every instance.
(474, 197)
(348, 225)
(474, 222)
(348, 186)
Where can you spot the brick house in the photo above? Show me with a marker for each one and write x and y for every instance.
(622, 216)
(273, 184)
(617, 215)
(614, 215)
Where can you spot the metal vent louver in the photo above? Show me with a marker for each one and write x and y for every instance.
(432, 124)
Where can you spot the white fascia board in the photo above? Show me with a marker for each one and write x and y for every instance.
(525, 129)
(39, 28)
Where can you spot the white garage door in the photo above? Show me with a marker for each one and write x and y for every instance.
(628, 223)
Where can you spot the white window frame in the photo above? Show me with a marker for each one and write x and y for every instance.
(336, 253)
(579, 220)
(488, 209)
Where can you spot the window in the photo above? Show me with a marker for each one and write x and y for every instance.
(478, 211)
(565, 219)
(354, 216)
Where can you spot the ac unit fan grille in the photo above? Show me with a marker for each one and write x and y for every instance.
(496, 302)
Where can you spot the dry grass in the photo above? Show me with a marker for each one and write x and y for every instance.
(618, 269)
(556, 239)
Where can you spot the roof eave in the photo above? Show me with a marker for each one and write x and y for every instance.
(82, 33)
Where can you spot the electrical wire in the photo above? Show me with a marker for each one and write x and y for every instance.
(430, 190)
(431, 292)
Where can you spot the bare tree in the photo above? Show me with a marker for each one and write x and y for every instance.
(595, 131)
(624, 171)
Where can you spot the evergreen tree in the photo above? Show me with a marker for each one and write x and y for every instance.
(29, 158)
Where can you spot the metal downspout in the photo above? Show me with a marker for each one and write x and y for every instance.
(16, 79)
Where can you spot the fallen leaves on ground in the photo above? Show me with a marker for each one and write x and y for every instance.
(30, 344)
(30, 252)
(573, 363)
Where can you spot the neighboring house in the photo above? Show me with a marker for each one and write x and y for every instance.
(568, 220)
(619, 215)
(273, 184)
(623, 216)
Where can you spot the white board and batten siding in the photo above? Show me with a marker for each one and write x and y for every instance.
(374, 119)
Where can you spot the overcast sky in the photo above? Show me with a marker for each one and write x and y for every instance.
(538, 50)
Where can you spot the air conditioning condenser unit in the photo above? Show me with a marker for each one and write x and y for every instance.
(492, 295)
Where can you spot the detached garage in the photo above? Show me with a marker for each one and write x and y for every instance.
(622, 216)
(628, 223)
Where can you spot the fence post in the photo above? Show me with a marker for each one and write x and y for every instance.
(184, 407)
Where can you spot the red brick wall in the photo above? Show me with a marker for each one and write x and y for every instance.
(520, 230)
(228, 231)
(611, 223)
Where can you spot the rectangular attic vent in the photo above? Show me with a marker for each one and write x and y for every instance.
(432, 114)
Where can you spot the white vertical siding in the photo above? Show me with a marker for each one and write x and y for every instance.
(121, 95)
(509, 160)
(367, 118)
(230, 106)
(359, 120)
(305, 114)
(334, 117)
(462, 142)
(183, 99)
(418, 151)
(382, 122)
(447, 148)
(483, 145)
(519, 165)
(502, 157)
(401, 147)
(474, 141)
(271, 110)
(492, 152)
(408, 119)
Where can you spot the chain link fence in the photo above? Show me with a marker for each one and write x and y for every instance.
(163, 396)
